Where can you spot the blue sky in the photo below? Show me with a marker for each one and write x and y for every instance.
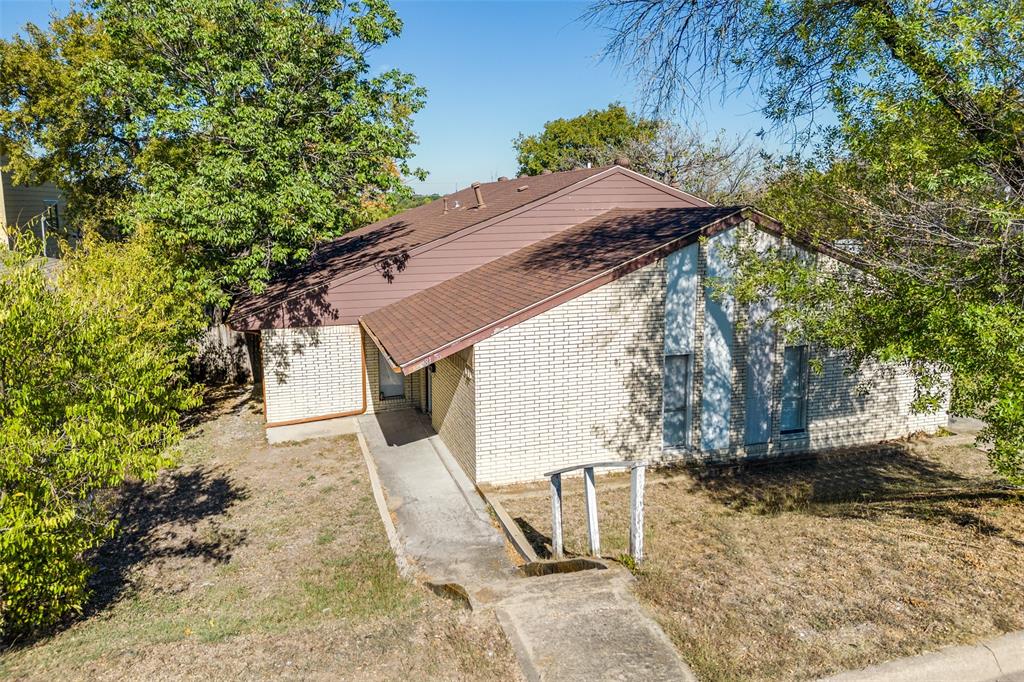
(492, 69)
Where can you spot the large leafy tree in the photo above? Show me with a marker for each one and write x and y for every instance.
(921, 180)
(244, 131)
(568, 143)
(713, 167)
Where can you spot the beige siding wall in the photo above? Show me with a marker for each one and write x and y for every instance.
(21, 203)
(454, 407)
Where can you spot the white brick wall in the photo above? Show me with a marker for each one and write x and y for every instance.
(868, 406)
(316, 371)
(311, 371)
(583, 382)
(578, 383)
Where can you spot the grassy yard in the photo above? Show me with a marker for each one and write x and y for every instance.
(251, 561)
(791, 572)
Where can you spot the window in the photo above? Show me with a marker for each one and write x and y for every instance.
(677, 401)
(392, 383)
(794, 390)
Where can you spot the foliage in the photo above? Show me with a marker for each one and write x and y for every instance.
(403, 202)
(92, 381)
(718, 169)
(569, 143)
(715, 168)
(244, 131)
(921, 181)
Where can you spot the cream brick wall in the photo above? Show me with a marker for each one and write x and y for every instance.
(583, 382)
(578, 383)
(316, 371)
(454, 405)
(311, 371)
(846, 409)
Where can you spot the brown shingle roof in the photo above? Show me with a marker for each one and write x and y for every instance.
(400, 233)
(454, 314)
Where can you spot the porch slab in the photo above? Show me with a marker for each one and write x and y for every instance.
(587, 626)
(324, 428)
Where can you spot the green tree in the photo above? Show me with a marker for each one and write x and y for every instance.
(93, 379)
(568, 143)
(716, 168)
(921, 181)
(405, 201)
(243, 131)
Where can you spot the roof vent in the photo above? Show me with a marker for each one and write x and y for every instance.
(523, 188)
(503, 178)
(622, 161)
(479, 195)
(445, 205)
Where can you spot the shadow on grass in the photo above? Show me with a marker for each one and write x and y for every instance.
(241, 397)
(862, 484)
(156, 521)
(541, 543)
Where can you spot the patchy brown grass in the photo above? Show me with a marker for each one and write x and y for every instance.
(796, 571)
(250, 561)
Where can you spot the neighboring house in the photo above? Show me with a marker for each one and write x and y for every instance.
(559, 319)
(30, 208)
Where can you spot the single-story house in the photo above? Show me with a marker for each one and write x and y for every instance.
(558, 319)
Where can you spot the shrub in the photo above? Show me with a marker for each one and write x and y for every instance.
(92, 366)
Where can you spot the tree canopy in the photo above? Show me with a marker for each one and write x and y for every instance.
(568, 143)
(714, 167)
(920, 179)
(243, 131)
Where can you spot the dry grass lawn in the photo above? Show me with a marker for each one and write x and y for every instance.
(796, 571)
(251, 561)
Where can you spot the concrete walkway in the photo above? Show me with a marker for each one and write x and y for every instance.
(998, 660)
(446, 534)
(586, 626)
(575, 626)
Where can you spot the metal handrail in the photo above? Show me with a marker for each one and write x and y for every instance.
(42, 220)
(622, 464)
(637, 475)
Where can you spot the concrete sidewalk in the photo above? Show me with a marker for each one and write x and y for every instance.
(577, 626)
(446, 534)
(998, 660)
(586, 626)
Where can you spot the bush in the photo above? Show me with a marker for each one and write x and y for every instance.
(92, 383)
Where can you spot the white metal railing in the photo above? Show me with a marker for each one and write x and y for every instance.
(637, 471)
